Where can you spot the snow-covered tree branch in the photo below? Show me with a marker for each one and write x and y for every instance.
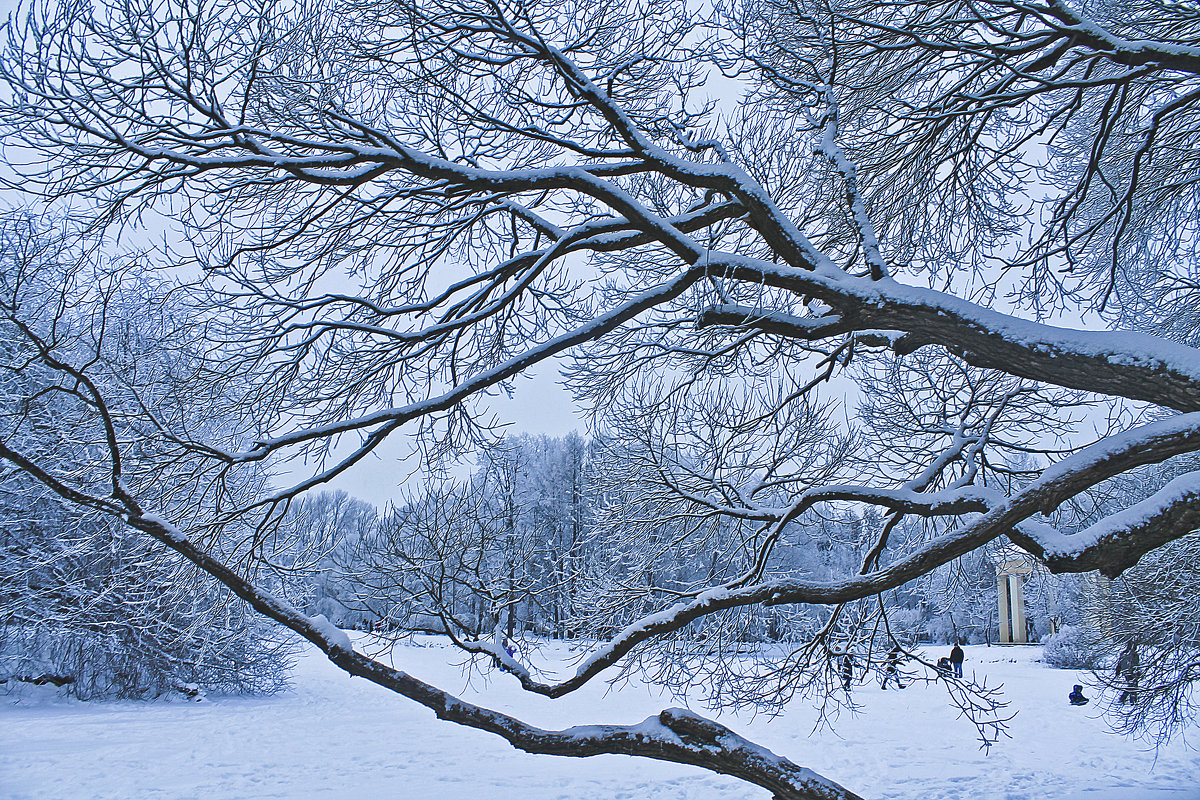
(843, 289)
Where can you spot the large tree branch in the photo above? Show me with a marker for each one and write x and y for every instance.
(1132, 365)
(1084, 32)
(1118, 541)
(675, 735)
(1125, 364)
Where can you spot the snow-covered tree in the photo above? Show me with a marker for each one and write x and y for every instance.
(390, 211)
(85, 601)
(89, 606)
(504, 547)
(320, 534)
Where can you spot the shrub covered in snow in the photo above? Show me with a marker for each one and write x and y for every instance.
(105, 613)
(1073, 647)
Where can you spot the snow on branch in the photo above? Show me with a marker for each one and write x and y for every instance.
(1130, 52)
(1123, 363)
(675, 735)
(1116, 542)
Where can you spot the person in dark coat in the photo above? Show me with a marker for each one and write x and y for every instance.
(944, 668)
(892, 662)
(1076, 696)
(1129, 669)
(956, 660)
(847, 671)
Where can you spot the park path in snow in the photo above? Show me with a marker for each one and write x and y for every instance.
(335, 737)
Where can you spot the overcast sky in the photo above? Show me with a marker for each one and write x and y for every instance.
(540, 405)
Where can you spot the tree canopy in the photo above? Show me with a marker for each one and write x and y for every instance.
(844, 280)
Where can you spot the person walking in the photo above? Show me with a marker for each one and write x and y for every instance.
(847, 671)
(956, 660)
(891, 673)
(1128, 669)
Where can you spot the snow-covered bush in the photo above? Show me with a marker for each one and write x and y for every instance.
(105, 613)
(1073, 647)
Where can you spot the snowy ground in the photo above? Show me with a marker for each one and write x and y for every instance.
(340, 737)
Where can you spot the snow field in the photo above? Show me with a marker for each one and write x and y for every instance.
(336, 737)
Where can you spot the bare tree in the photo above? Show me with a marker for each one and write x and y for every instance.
(84, 601)
(316, 540)
(393, 210)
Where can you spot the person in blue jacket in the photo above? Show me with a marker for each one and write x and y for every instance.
(1076, 696)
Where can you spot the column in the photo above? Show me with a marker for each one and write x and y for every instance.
(1002, 593)
(1016, 591)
